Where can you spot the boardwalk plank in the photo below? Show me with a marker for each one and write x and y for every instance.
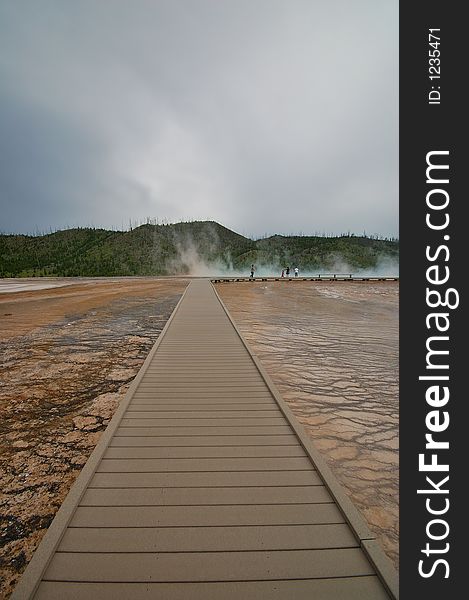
(214, 370)
(222, 409)
(195, 452)
(226, 430)
(214, 479)
(180, 465)
(204, 441)
(198, 516)
(203, 387)
(213, 566)
(152, 396)
(207, 539)
(346, 588)
(197, 422)
(207, 496)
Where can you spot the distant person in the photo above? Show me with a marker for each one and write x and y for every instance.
(296, 271)
(253, 268)
(283, 272)
(287, 272)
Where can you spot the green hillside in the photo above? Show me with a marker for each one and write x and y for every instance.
(199, 247)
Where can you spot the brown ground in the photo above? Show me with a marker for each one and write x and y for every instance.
(68, 357)
(332, 350)
(69, 354)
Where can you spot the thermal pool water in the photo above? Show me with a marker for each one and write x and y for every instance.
(332, 350)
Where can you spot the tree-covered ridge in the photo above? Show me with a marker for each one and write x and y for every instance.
(181, 248)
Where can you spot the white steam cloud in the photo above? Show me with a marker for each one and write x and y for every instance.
(205, 259)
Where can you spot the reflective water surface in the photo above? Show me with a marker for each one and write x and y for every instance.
(332, 350)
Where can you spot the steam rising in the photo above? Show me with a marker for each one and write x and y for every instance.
(205, 258)
(189, 260)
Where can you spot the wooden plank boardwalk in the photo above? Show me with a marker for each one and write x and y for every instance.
(204, 486)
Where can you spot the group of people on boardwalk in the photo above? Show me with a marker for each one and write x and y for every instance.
(285, 271)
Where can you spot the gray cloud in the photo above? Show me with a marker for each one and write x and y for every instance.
(268, 116)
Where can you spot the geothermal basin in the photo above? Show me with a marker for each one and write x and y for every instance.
(71, 348)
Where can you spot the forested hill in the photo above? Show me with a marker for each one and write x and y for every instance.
(197, 248)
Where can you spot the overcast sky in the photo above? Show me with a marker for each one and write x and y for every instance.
(268, 116)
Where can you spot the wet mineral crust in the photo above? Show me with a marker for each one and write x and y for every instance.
(68, 356)
(332, 350)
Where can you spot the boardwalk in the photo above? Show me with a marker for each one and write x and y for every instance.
(205, 487)
(323, 278)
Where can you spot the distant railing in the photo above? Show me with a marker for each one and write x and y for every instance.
(335, 275)
(318, 277)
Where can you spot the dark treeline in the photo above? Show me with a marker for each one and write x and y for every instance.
(162, 249)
